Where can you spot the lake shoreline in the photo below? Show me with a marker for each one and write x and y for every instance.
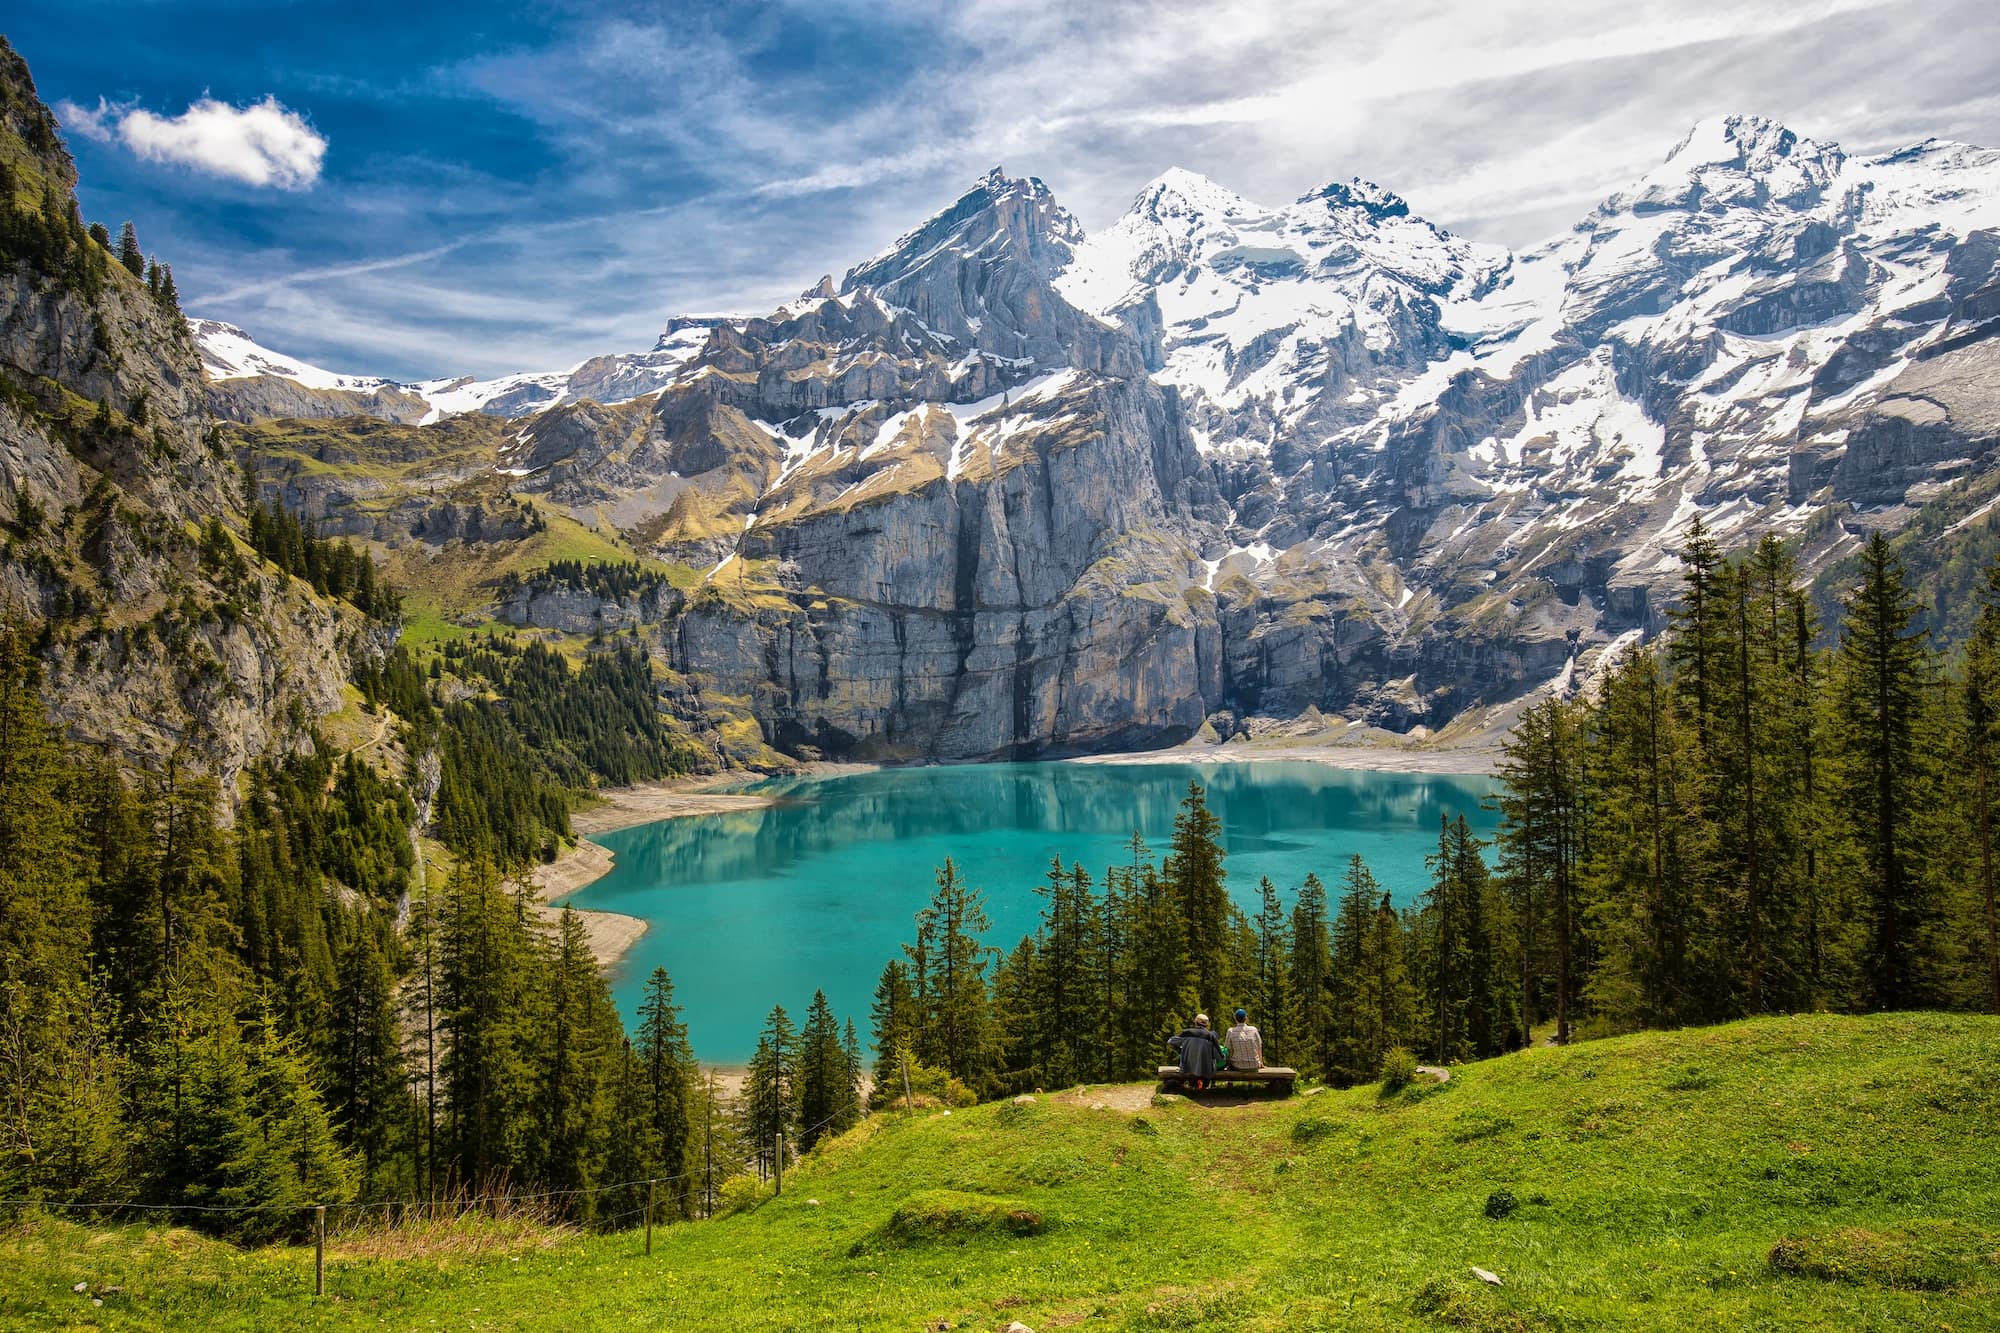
(581, 864)
(1466, 761)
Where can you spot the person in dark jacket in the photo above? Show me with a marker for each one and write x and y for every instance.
(1199, 1052)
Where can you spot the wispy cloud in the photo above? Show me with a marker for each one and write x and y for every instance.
(665, 158)
(264, 144)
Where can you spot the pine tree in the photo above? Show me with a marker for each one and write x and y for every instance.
(1270, 996)
(1310, 964)
(948, 966)
(1196, 878)
(1541, 843)
(129, 253)
(770, 1092)
(1459, 982)
(572, 1079)
(1884, 679)
(1061, 988)
(668, 1073)
(492, 1009)
(365, 1093)
(825, 1081)
(1695, 649)
(1372, 1003)
(893, 1020)
(1980, 727)
(853, 1076)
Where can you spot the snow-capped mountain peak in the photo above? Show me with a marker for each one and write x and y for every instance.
(228, 353)
(1734, 162)
(1365, 197)
(1000, 217)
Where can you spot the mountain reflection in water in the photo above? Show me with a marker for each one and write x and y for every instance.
(760, 907)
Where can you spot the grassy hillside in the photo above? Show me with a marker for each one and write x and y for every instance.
(1818, 1172)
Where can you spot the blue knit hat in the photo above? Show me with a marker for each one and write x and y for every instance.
(1240, 1015)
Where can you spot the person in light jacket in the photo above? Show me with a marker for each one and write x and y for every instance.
(1245, 1044)
(1198, 1051)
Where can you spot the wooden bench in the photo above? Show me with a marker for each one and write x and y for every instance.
(1274, 1076)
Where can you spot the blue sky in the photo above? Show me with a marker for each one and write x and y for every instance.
(422, 189)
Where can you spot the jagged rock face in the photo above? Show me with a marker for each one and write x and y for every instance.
(1008, 608)
(109, 468)
(573, 610)
(260, 397)
(979, 273)
(1009, 489)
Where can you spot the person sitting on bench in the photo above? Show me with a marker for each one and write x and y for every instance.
(1245, 1044)
(1198, 1051)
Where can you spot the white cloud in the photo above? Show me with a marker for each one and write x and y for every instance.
(696, 170)
(92, 123)
(265, 144)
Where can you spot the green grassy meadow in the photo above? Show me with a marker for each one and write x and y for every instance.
(1813, 1172)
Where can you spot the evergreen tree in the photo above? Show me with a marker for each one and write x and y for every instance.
(492, 1010)
(577, 1048)
(1196, 878)
(948, 966)
(1062, 989)
(1310, 965)
(893, 1023)
(366, 1091)
(668, 1077)
(1979, 715)
(1373, 1001)
(854, 1075)
(129, 253)
(1883, 682)
(1696, 648)
(1270, 995)
(770, 1092)
(1541, 843)
(827, 1105)
(1467, 1017)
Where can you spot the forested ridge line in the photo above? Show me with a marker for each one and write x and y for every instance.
(1734, 822)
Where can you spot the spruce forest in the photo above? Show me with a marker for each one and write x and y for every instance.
(268, 1016)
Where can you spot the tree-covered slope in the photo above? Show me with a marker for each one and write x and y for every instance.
(1808, 1172)
(122, 518)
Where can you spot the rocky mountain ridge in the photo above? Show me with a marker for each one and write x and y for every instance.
(1009, 489)
(160, 636)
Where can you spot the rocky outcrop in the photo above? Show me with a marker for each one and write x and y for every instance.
(257, 397)
(1007, 489)
(159, 635)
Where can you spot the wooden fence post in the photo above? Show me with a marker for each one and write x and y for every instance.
(319, 1250)
(649, 1217)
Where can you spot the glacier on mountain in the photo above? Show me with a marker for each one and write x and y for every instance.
(1338, 457)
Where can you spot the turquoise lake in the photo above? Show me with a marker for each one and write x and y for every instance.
(760, 907)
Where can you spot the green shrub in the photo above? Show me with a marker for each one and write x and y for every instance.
(956, 1217)
(1313, 1128)
(1500, 1203)
(740, 1194)
(1399, 1067)
(1926, 1257)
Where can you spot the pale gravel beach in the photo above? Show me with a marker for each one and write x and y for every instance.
(1383, 758)
(612, 934)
